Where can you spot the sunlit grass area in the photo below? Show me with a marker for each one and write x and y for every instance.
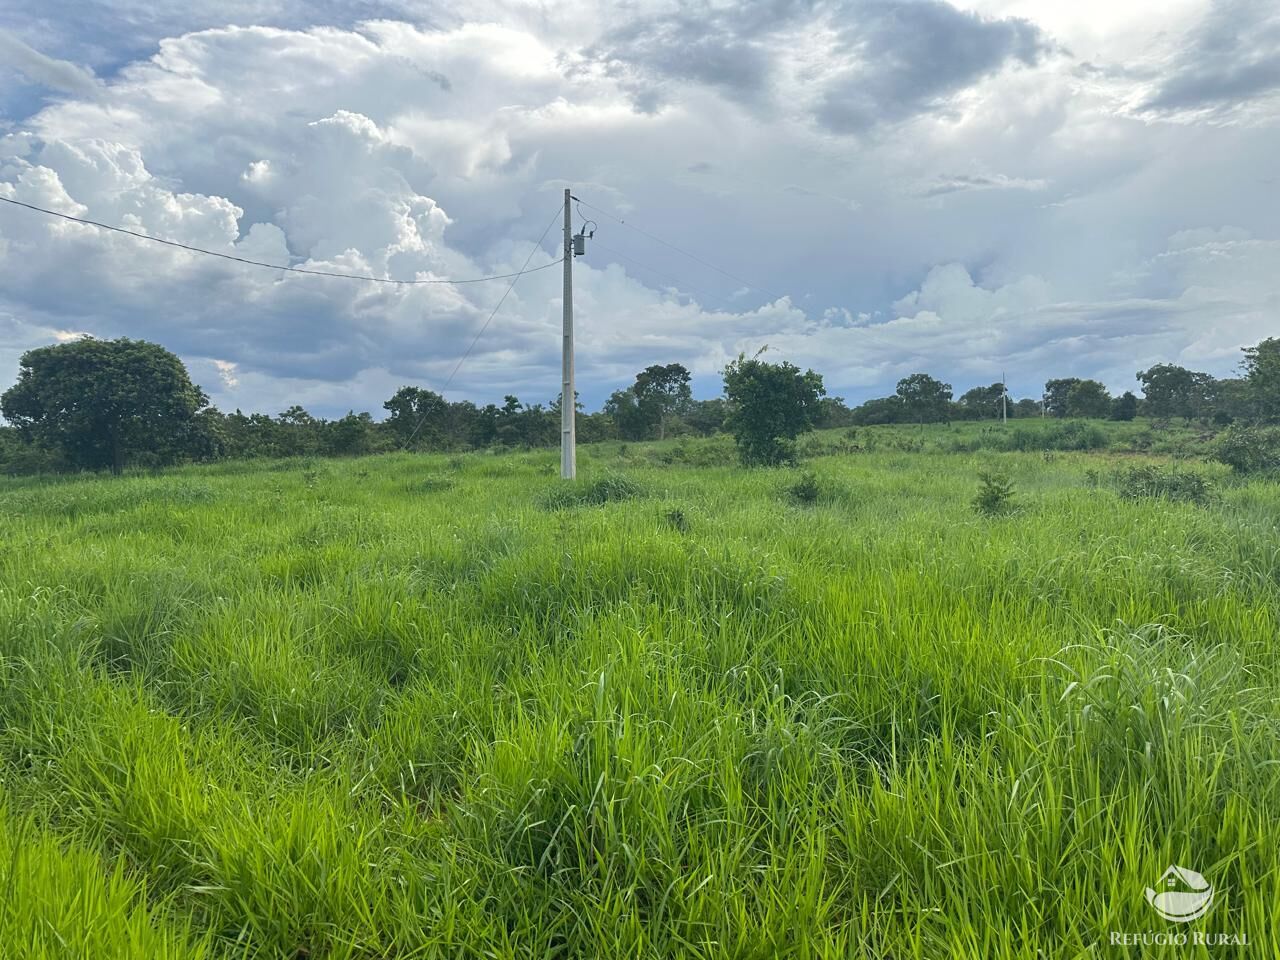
(428, 706)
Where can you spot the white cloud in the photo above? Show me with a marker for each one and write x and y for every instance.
(227, 373)
(994, 216)
(47, 71)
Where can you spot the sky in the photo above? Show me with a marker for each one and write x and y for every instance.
(975, 189)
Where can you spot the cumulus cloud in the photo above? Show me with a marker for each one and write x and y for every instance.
(852, 64)
(47, 71)
(403, 151)
(896, 58)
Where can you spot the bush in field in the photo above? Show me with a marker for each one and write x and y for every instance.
(1069, 435)
(995, 494)
(677, 519)
(1249, 449)
(806, 489)
(1163, 483)
(606, 489)
(770, 405)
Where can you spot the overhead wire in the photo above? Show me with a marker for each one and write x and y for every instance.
(485, 326)
(260, 263)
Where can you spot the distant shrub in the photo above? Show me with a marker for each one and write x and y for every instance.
(1068, 435)
(710, 452)
(1249, 449)
(677, 519)
(806, 489)
(606, 489)
(995, 494)
(434, 483)
(817, 445)
(1163, 483)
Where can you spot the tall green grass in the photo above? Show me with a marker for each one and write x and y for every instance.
(438, 707)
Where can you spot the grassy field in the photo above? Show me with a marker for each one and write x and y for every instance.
(414, 706)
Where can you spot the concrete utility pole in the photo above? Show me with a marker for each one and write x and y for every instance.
(1004, 399)
(568, 398)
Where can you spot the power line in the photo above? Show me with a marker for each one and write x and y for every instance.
(511, 286)
(259, 263)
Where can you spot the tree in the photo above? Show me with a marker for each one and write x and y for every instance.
(1262, 375)
(1088, 398)
(1055, 395)
(506, 426)
(880, 410)
(660, 392)
(924, 398)
(706, 417)
(101, 403)
(834, 413)
(1232, 399)
(630, 420)
(1125, 406)
(349, 437)
(417, 418)
(982, 403)
(1173, 391)
(1026, 407)
(299, 432)
(770, 404)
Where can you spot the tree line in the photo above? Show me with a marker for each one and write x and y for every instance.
(94, 404)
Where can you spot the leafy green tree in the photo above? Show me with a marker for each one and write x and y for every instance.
(770, 404)
(834, 413)
(19, 457)
(101, 403)
(706, 417)
(630, 419)
(1088, 398)
(1174, 391)
(299, 433)
(982, 403)
(1026, 407)
(537, 426)
(1232, 400)
(507, 426)
(1125, 406)
(924, 398)
(1056, 393)
(417, 418)
(661, 392)
(1262, 374)
(350, 436)
(484, 429)
(880, 410)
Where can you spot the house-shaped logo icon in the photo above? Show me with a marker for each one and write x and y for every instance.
(1181, 895)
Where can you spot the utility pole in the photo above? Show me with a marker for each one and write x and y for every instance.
(1004, 400)
(568, 397)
